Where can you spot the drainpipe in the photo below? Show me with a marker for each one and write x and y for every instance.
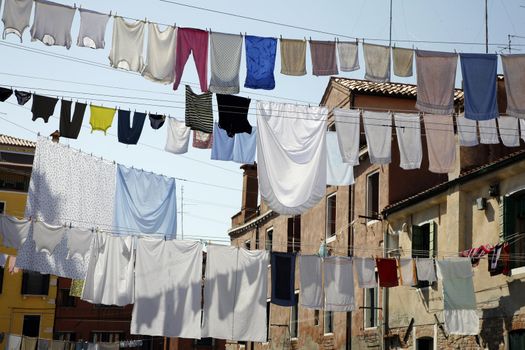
(384, 298)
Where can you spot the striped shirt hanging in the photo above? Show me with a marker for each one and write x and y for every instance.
(199, 114)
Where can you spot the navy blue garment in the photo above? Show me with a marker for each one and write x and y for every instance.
(283, 279)
(260, 62)
(479, 73)
(126, 134)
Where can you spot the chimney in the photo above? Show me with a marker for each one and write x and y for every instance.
(250, 191)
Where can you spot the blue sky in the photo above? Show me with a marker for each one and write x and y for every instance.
(208, 209)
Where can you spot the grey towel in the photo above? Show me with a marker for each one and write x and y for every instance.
(377, 62)
(348, 56)
(403, 61)
(436, 75)
(324, 60)
(441, 143)
(514, 71)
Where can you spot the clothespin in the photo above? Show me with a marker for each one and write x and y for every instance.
(110, 13)
(356, 41)
(281, 37)
(310, 38)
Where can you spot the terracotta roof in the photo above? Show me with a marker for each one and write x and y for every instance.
(392, 89)
(462, 178)
(14, 141)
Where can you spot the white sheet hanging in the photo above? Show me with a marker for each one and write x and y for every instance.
(338, 284)
(467, 131)
(110, 276)
(378, 132)
(14, 231)
(168, 277)
(408, 131)
(47, 237)
(291, 156)
(347, 122)
(312, 296)
(235, 291)
(509, 131)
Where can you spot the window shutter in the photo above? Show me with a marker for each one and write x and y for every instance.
(509, 217)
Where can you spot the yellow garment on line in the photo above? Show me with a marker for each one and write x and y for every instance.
(101, 118)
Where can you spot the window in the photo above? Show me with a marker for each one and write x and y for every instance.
(2, 207)
(248, 244)
(34, 283)
(372, 196)
(208, 342)
(517, 339)
(64, 299)
(268, 240)
(294, 318)
(1, 279)
(331, 210)
(268, 309)
(328, 322)
(316, 317)
(31, 327)
(424, 244)
(426, 343)
(106, 336)
(370, 308)
(67, 336)
(513, 223)
(294, 234)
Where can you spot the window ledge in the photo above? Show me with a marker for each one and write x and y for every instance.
(331, 239)
(371, 222)
(328, 334)
(517, 271)
(370, 329)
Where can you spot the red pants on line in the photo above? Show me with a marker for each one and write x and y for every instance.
(196, 41)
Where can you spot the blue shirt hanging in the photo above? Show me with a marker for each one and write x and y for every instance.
(222, 146)
(283, 279)
(479, 73)
(244, 147)
(260, 62)
(145, 203)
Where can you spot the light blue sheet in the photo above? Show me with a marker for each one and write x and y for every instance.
(145, 203)
(222, 146)
(244, 147)
(337, 172)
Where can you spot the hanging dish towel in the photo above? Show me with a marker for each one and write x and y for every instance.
(403, 61)
(408, 132)
(293, 57)
(324, 57)
(378, 132)
(514, 72)
(467, 131)
(348, 56)
(441, 143)
(377, 62)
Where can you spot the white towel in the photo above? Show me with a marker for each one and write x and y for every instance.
(338, 173)
(488, 132)
(378, 132)
(348, 56)
(178, 136)
(168, 277)
(338, 284)
(347, 123)
(514, 71)
(79, 242)
(13, 231)
(509, 131)
(426, 270)
(467, 131)
(408, 130)
(291, 156)
(377, 62)
(235, 290)
(406, 266)
(403, 61)
(311, 281)
(366, 275)
(46, 236)
(441, 143)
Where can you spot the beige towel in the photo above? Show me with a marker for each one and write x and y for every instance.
(28, 343)
(348, 56)
(403, 61)
(293, 57)
(514, 71)
(324, 60)
(436, 75)
(441, 143)
(377, 62)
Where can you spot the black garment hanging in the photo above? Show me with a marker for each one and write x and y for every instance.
(127, 134)
(5, 93)
(283, 279)
(22, 97)
(233, 114)
(43, 107)
(70, 128)
(156, 120)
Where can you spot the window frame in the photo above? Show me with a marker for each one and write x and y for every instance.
(368, 203)
(293, 234)
(3, 207)
(370, 308)
(331, 198)
(509, 201)
(268, 239)
(328, 330)
(294, 317)
(45, 280)
(426, 339)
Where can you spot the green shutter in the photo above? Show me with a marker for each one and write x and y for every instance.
(509, 216)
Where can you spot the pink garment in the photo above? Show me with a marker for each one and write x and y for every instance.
(196, 41)
(202, 140)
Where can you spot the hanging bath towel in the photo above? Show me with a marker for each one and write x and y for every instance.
(283, 279)
(378, 132)
(16, 17)
(488, 132)
(92, 29)
(347, 122)
(387, 271)
(225, 62)
(338, 173)
(338, 284)
(52, 23)
(324, 57)
(509, 131)
(407, 271)
(145, 203)
(514, 71)
(377, 62)
(127, 45)
(291, 156)
(366, 275)
(260, 62)
(426, 271)
(403, 61)
(178, 137)
(408, 131)
(436, 75)
(293, 57)
(310, 268)
(160, 57)
(441, 143)
(467, 131)
(348, 56)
